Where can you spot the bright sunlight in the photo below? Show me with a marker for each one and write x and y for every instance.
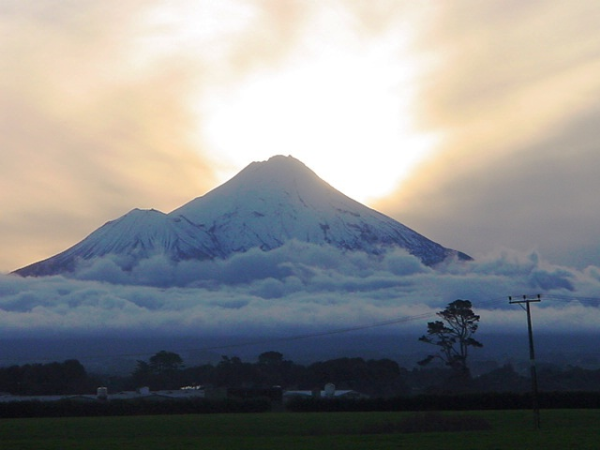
(340, 103)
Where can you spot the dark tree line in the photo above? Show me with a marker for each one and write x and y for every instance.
(165, 370)
(68, 377)
(374, 377)
(382, 377)
(377, 378)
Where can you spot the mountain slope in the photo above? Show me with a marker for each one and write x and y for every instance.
(269, 203)
(137, 235)
(265, 205)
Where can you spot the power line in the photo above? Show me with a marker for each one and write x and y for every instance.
(325, 333)
(396, 321)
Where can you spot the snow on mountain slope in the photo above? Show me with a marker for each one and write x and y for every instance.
(267, 204)
(137, 235)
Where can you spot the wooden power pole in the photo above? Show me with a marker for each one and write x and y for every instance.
(527, 300)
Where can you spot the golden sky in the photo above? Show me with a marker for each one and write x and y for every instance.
(473, 122)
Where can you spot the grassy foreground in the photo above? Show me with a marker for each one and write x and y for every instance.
(510, 430)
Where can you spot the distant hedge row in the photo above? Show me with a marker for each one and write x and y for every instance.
(462, 402)
(76, 408)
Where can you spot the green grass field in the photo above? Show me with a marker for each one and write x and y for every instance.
(510, 430)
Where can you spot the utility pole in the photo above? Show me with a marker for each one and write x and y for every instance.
(527, 300)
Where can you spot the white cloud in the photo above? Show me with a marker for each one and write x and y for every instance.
(298, 288)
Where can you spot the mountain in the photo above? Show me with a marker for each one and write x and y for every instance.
(137, 235)
(265, 205)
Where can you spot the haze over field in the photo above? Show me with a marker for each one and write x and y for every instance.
(472, 122)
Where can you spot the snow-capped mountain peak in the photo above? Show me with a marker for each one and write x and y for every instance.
(265, 205)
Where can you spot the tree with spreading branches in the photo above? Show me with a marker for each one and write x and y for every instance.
(161, 372)
(453, 335)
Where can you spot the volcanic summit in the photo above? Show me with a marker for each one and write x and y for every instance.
(264, 206)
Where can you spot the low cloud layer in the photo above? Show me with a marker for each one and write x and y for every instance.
(296, 289)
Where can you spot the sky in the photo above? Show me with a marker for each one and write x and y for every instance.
(472, 122)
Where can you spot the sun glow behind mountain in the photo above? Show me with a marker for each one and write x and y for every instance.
(342, 104)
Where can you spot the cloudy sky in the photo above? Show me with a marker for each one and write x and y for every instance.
(473, 122)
